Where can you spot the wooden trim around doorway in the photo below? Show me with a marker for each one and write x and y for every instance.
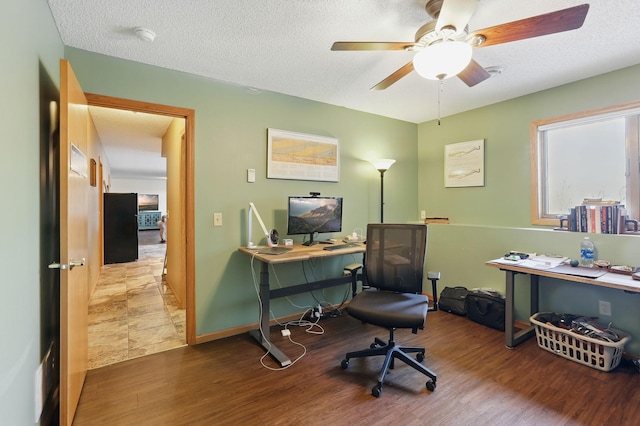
(189, 115)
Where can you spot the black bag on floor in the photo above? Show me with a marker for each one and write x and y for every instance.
(453, 299)
(486, 306)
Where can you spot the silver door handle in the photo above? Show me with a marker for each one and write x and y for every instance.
(73, 263)
(55, 265)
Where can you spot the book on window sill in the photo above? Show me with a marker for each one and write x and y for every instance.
(598, 202)
(596, 219)
(436, 220)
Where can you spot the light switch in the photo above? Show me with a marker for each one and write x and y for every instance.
(251, 175)
(217, 219)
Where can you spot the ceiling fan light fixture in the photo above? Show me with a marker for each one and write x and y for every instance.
(442, 60)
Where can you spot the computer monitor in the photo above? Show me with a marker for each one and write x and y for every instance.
(310, 215)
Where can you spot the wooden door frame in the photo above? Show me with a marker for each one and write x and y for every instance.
(189, 255)
(100, 210)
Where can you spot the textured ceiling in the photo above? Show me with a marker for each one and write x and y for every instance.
(284, 46)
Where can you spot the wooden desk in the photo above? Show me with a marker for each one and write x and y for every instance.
(512, 339)
(299, 253)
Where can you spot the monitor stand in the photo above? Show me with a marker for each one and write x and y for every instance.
(310, 242)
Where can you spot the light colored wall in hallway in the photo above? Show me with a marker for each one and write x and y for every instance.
(142, 186)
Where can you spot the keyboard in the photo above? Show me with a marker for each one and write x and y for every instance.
(341, 246)
(274, 250)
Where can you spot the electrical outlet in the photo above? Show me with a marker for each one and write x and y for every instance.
(423, 214)
(604, 308)
(217, 219)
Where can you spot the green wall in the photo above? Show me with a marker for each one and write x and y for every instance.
(28, 36)
(231, 129)
(488, 221)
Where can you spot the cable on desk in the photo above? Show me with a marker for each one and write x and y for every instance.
(336, 310)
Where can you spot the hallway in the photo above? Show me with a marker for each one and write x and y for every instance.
(132, 312)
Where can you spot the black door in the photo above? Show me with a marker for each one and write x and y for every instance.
(49, 248)
(120, 228)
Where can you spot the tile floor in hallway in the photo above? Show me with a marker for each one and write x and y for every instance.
(132, 312)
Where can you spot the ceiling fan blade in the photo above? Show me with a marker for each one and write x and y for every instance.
(473, 74)
(397, 75)
(371, 45)
(456, 13)
(548, 23)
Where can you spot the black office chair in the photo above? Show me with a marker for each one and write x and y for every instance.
(392, 294)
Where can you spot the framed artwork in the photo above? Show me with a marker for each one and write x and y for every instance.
(92, 172)
(464, 164)
(78, 161)
(299, 156)
(147, 202)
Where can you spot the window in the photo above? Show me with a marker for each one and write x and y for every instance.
(593, 154)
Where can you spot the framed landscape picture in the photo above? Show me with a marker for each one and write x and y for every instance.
(299, 156)
(147, 202)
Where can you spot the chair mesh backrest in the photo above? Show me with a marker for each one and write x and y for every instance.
(395, 256)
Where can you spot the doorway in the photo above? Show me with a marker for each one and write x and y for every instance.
(150, 273)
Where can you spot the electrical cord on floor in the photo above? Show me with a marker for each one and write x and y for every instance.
(265, 338)
(301, 322)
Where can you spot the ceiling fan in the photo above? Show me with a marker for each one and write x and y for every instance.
(444, 45)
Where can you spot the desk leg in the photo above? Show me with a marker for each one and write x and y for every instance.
(512, 339)
(263, 334)
(534, 294)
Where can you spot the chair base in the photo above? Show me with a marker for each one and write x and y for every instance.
(392, 352)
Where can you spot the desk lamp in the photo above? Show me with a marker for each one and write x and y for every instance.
(382, 165)
(272, 236)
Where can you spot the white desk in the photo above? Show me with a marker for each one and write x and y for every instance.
(512, 338)
(298, 254)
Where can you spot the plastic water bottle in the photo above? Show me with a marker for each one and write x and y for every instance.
(587, 252)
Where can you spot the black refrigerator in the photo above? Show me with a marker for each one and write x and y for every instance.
(120, 228)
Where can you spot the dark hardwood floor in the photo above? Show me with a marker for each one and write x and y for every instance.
(480, 382)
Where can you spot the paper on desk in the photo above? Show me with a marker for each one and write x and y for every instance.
(534, 261)
(621, 279)
(504, 261)
(543, 262)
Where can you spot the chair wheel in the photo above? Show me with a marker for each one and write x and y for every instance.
(376, 390)
(431, 385)
(344, 364)
(373, 346)
(419, 357)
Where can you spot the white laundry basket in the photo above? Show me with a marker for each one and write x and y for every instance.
(585, 350)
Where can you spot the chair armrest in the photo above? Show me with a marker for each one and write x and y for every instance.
(353, 267)
(434, 276)
(352, 270)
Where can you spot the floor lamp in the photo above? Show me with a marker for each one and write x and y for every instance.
(382, 165)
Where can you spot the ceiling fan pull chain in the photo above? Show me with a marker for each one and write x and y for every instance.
(440, 89)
